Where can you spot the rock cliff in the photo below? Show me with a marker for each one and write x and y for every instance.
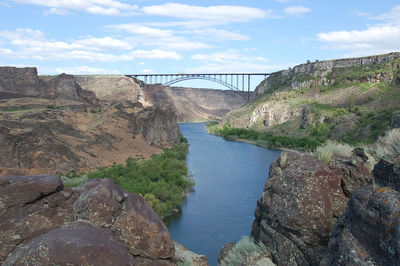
(43, 223)
(303, 198)
(352, 100)
(51, 125)
(329, 72)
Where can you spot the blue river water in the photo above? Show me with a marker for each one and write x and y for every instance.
(229, 178)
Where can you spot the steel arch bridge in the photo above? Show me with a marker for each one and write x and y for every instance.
(239, 82)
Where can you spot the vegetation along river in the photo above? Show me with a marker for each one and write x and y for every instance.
(229, 177)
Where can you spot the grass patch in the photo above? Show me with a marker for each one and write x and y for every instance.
(14, 109)
(388, 146)
(243, 248)
(369, 128)
(161, 181)
(324, 153)
(270, 140)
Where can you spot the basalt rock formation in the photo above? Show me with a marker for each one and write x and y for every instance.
(327, 73)
(51, 125)
(303, 199)
(98, 224)
(368, 233)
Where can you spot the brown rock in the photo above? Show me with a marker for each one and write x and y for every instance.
(225, 250)
(79, 243)
(302, 200)
(39, 207)
(141, 230)
(99, 202)
(368, 233)
(184, 255)
(354, 172)
(21, 190)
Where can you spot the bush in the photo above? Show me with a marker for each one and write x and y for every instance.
(270, 140)
(388, 146)
(325, 153)
(162, 180)
(245, 247)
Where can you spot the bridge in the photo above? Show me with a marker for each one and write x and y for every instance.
(239, 82)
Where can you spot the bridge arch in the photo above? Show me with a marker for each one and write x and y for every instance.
(226, 79)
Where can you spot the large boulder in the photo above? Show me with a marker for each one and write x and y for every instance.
(303, 198)
(31, 207)
(79, 243)
(368, 233)
(387, 173)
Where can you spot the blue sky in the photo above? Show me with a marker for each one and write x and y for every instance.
(124, 37)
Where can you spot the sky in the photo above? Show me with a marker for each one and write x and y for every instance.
(152, 36)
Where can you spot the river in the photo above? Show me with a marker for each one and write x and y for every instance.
(229, 177)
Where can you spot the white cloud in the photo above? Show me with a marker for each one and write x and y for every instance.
(148, 71)
(102, 44)
(236, 67)
(231, 61)
(219, 14)
(393, 16)
(220, 35)
(27, 43)
(296, 10)
(141, 30)
(376, 39)
(80, 70)
(227, 56)
(5, 51)
(100, 7)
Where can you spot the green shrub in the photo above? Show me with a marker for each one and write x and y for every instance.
(162, 180)
(324, 153)
(388, 146)
(243, 248)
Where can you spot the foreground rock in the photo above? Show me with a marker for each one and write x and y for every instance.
(369, 231)
(79, 243)
(38, 217)
(303, 199)
(387, 173)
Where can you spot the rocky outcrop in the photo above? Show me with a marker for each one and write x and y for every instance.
(274, 113)
(153, 124)
(368, 233)
(326, 73)
(22, 82)
(78, 243)
(303, 198)
(184, 255)
(387, 173)
(112, 88)
(57, 136)
(96, 224)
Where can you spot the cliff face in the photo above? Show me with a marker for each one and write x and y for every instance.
(112, 88)
(22, 82)
(192, 104)
(52, 125)
(327, 73)
(351, 99)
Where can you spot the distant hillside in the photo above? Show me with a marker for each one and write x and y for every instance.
(192, 104)
(352, 100)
